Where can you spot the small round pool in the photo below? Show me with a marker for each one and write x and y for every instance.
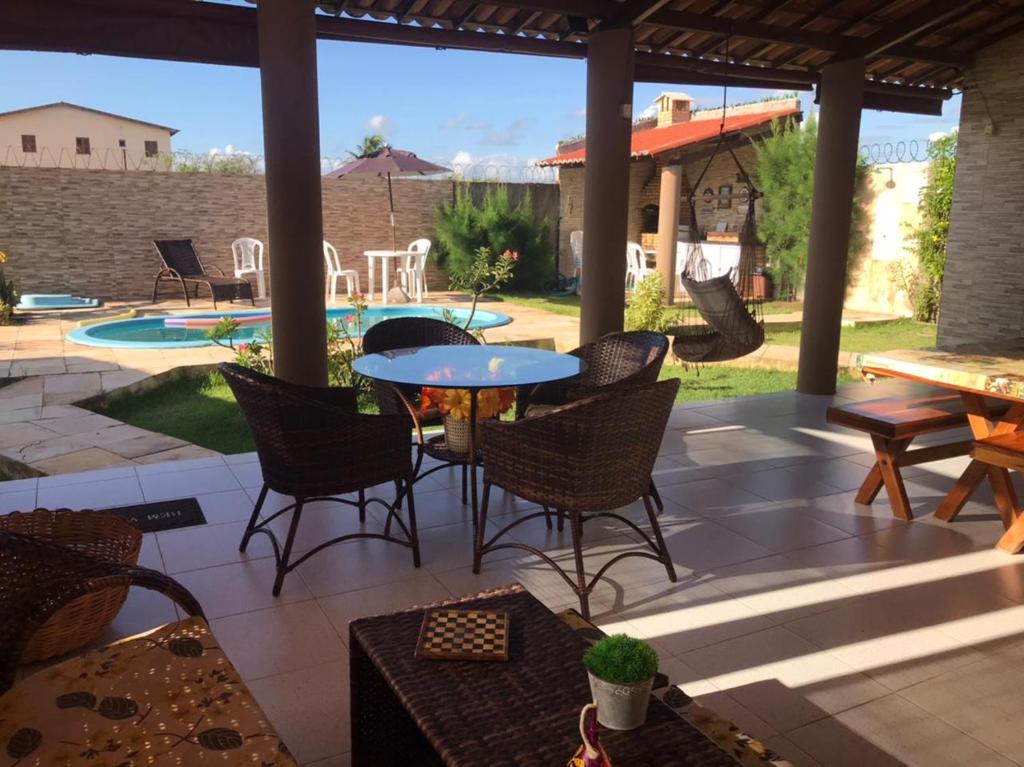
(161, 332)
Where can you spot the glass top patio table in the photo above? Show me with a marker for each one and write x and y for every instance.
(468, 367)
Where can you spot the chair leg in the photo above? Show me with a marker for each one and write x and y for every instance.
(547, 517)
(666, 558)
(465, 474)
(413, 535)
(656, 496)
(478, 534)
(561, 519)
(286, 552)
(255, 516)
(362, 506)
(576, 523)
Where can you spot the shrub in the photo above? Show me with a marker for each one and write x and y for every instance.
(498, 224)
(483, 275)
(620, 659)
(646, 308)
(8, 294)
(785, 175)
(930, 237)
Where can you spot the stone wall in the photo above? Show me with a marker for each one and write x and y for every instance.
(984, 282)
(89, 232)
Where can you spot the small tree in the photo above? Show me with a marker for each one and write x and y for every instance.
(495, 223)
(484, 275)
(930, 237)
(785, 175)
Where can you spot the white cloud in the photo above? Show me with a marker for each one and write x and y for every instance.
(936, 135)
(462, 121)
(498, 167)
(380, 124)
(579, 114)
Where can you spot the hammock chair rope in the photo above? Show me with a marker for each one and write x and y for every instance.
(722, 320)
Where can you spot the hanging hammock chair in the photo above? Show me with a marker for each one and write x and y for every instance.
(722, 318)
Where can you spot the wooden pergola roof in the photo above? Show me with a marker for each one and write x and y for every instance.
(916, 50)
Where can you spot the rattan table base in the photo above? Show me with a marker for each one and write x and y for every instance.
(522, 713)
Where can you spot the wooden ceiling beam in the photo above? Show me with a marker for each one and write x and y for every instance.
(743, 71)
(647, 73)
(934, 13)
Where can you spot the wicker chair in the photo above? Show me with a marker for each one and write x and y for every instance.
(181, 264)
(410, 333)
(38, 578)
(314, 445)
(616, 361)
(66, 714)
(585, 460)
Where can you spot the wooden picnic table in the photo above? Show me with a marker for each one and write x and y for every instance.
(977, 372)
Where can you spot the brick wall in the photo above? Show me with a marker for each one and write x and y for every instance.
(89, 232)
(984, 282)
(645, 189)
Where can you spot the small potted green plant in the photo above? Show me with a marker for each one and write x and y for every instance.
(621, 671)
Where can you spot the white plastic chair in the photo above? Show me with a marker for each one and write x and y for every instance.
(636, 265)
(576, 246)
(413, 275)
(247, 253)
(334, 271)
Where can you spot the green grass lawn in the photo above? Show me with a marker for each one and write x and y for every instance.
(901, 334)
(565, 305)
(570, 305)
(203, 410)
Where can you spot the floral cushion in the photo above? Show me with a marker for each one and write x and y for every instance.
(169, 697)
(726, 735)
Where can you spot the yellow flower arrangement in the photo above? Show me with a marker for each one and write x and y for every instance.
(456, 403)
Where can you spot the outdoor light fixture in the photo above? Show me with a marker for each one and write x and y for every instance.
(891, 183)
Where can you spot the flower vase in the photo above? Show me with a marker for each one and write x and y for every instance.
(456, 435)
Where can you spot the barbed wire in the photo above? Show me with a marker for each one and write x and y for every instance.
(890, 152)
(246, 164)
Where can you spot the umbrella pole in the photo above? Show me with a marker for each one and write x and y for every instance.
(391, 215)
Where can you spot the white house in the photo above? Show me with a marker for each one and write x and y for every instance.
(69, 135)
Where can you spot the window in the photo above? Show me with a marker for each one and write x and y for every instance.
(725, 196)
(28, 142)
(649, 219)
(82, 145)
(151, 149)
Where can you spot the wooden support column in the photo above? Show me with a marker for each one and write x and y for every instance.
(291, 146)
(606, 184)
(842, 95)
(668, 226)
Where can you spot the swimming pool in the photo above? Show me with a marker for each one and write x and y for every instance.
(162, 332)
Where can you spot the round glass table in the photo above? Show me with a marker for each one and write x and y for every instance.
(473, 368)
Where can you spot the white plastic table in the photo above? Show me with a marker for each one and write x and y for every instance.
(384, 256)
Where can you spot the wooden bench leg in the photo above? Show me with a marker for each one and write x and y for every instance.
(965, 486)
(1013, 539)
(887, 453)
(874, 482)
(982, 426)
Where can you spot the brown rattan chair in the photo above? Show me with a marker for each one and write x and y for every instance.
(314, 445)
(411, 333)
(585, 459)
(38, 578)
(618, 360)
(181, 264)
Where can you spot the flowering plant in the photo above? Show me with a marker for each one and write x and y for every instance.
(456, 403)
(484, 274)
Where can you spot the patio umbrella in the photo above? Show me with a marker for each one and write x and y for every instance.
(389, 162)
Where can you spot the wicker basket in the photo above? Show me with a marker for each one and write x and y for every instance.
(99, 534)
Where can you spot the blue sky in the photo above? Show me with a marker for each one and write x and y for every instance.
(441, 104)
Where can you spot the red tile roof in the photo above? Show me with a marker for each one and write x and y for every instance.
(653, 141)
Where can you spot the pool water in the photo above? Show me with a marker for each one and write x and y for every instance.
(153, 333)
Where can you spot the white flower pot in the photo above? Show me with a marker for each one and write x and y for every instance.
(620, 706)
(456, 435)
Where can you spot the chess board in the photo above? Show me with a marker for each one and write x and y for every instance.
(463, 635)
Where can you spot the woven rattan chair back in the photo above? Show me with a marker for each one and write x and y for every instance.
(181, 256)
(409, 333)
(595, 454)
(312, 441)
(632, 357)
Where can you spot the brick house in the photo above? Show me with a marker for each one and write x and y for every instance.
(676, 134)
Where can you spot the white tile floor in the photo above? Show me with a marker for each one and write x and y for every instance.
(836, 633)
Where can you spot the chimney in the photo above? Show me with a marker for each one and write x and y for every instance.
(673, 108)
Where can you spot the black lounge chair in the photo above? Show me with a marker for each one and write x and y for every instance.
(182, 265)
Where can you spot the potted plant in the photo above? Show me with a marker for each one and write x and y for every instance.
(621, 671)
(454, 405)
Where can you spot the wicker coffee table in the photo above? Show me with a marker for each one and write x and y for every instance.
(523, 712)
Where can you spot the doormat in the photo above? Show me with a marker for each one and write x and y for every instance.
(158, 516)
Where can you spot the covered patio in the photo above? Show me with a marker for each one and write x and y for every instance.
(833, 631)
